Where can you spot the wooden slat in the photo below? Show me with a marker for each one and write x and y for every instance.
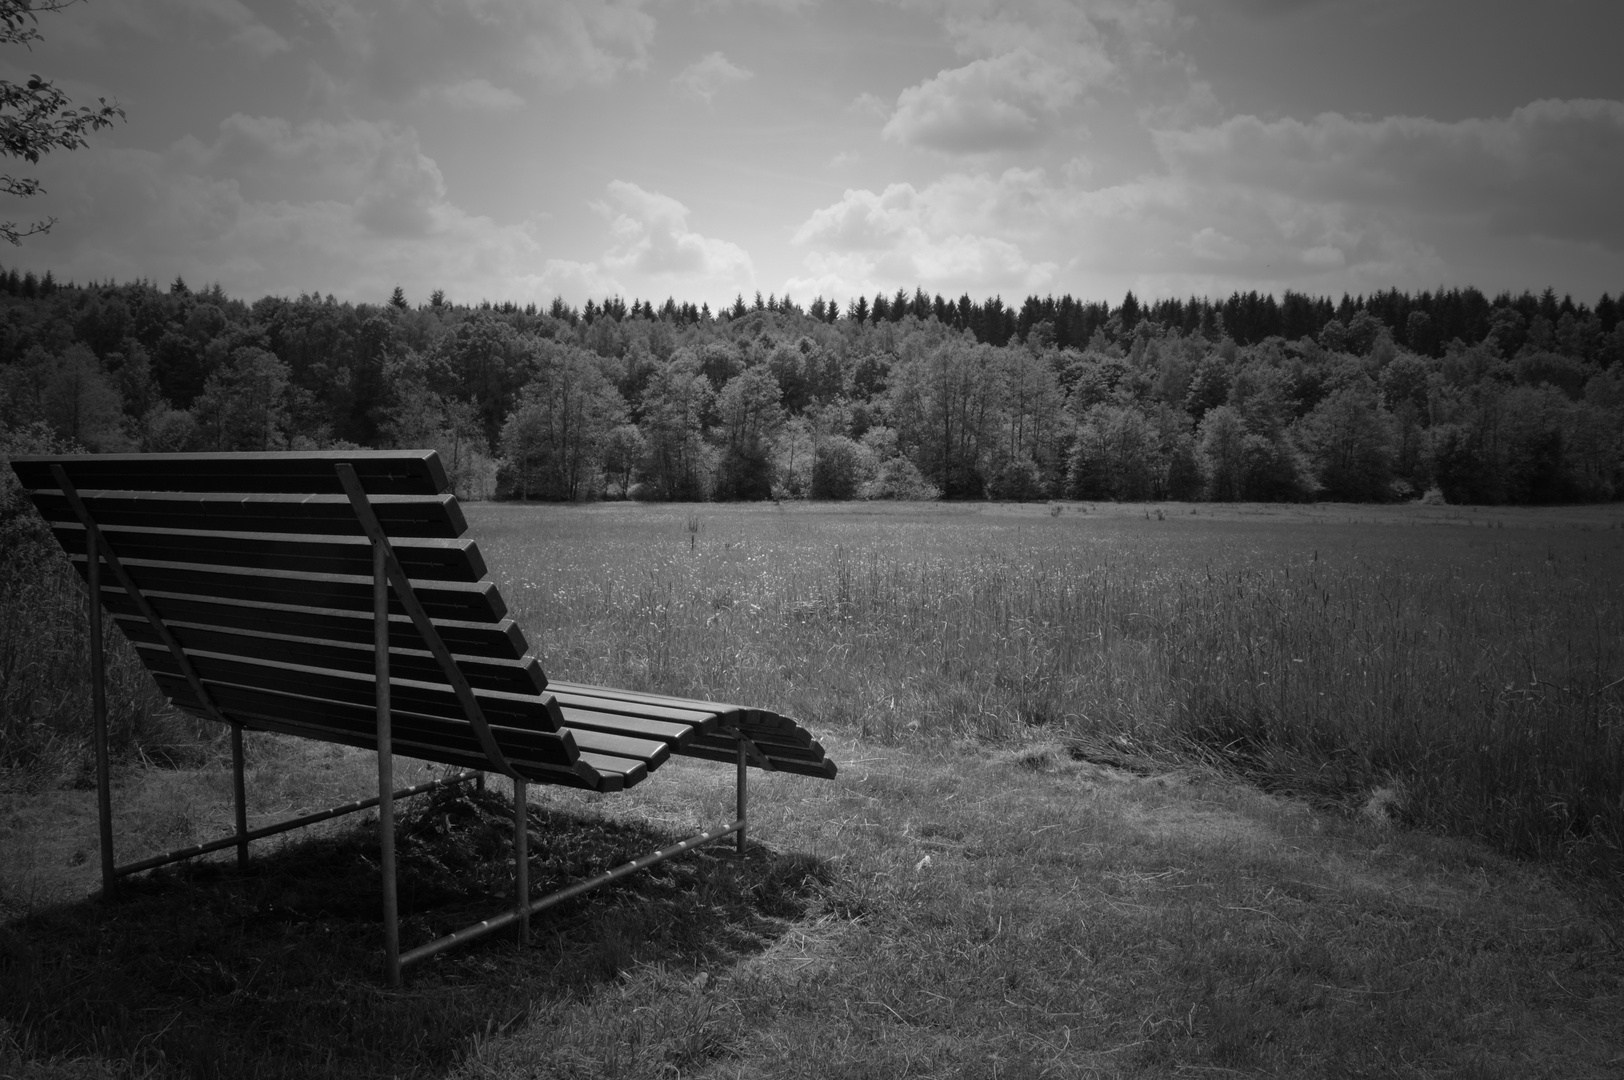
(823, 767)
(509, 676)
(578, 776)
(721, 741)
(650, 752)
(423, 559)
(464, 602)
(675, 735)
(382, 472)
(501, 640)
(527, 712)
(254, 703)
(659, 700)
(401, 515)
(628, 770)
(634, 708)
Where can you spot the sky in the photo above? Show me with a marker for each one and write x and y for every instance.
(698, 149)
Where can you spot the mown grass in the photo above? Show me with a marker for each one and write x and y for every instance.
(1032, 916)
(941, 913)
(204, 971)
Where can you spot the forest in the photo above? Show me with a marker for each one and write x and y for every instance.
(1444, 396)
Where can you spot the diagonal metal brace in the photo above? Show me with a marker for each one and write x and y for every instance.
(420, 619)
(128, 585)
(748, 745)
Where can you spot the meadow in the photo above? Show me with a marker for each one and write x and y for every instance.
(1466, 665)
(1126, 790)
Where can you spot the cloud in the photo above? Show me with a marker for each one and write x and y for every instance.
(1030, 64)
(210, 23)
(379, 168)
(869, 105)
(398, 48)
(1550, 169)
(704, 77)
(574, 41)
(268, 206)
(651, 237)
(1023, 231)
(1004, 103)
(959, 233)
(475, 95)
(1329, 204)
(1209, 243)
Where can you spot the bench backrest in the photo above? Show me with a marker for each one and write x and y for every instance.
(251, 575)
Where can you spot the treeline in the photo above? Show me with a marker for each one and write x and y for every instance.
(1448, 395)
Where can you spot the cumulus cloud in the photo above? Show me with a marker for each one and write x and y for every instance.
(1550, 169)
(475, 95)
(210, 23)
(651, 237)
(869, 105)
(709, 74)
(961, 232)
(1030, 63)
(378, 168)
(572, 41)
(1330, 204)
(268, 206)
(1023, 231)
(1003, 103)
(395, 48)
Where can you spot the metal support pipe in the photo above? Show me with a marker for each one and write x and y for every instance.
(521, 858)
(742, 800)
(497, 922)
(420, 619)
(241, 795)
(386, 765)
(98, 713)
(284, 826)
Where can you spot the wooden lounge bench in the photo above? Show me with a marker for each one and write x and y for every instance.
(334, 596)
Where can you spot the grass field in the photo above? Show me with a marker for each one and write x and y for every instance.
(1467, 664)
(1130, 791)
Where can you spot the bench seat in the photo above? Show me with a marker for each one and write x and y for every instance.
(336, 596)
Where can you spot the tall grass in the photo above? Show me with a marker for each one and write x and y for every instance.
(45, 697)
(1477, 676)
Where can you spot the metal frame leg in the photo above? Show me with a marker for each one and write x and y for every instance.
(241, 795)
(386, 768)
(742, 799)
(521, 858)
(98, 712)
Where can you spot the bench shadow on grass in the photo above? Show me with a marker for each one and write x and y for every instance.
(200, 970)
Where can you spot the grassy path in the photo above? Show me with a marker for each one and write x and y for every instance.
(949, 914)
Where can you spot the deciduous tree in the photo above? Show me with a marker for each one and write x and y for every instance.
(35, 116)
